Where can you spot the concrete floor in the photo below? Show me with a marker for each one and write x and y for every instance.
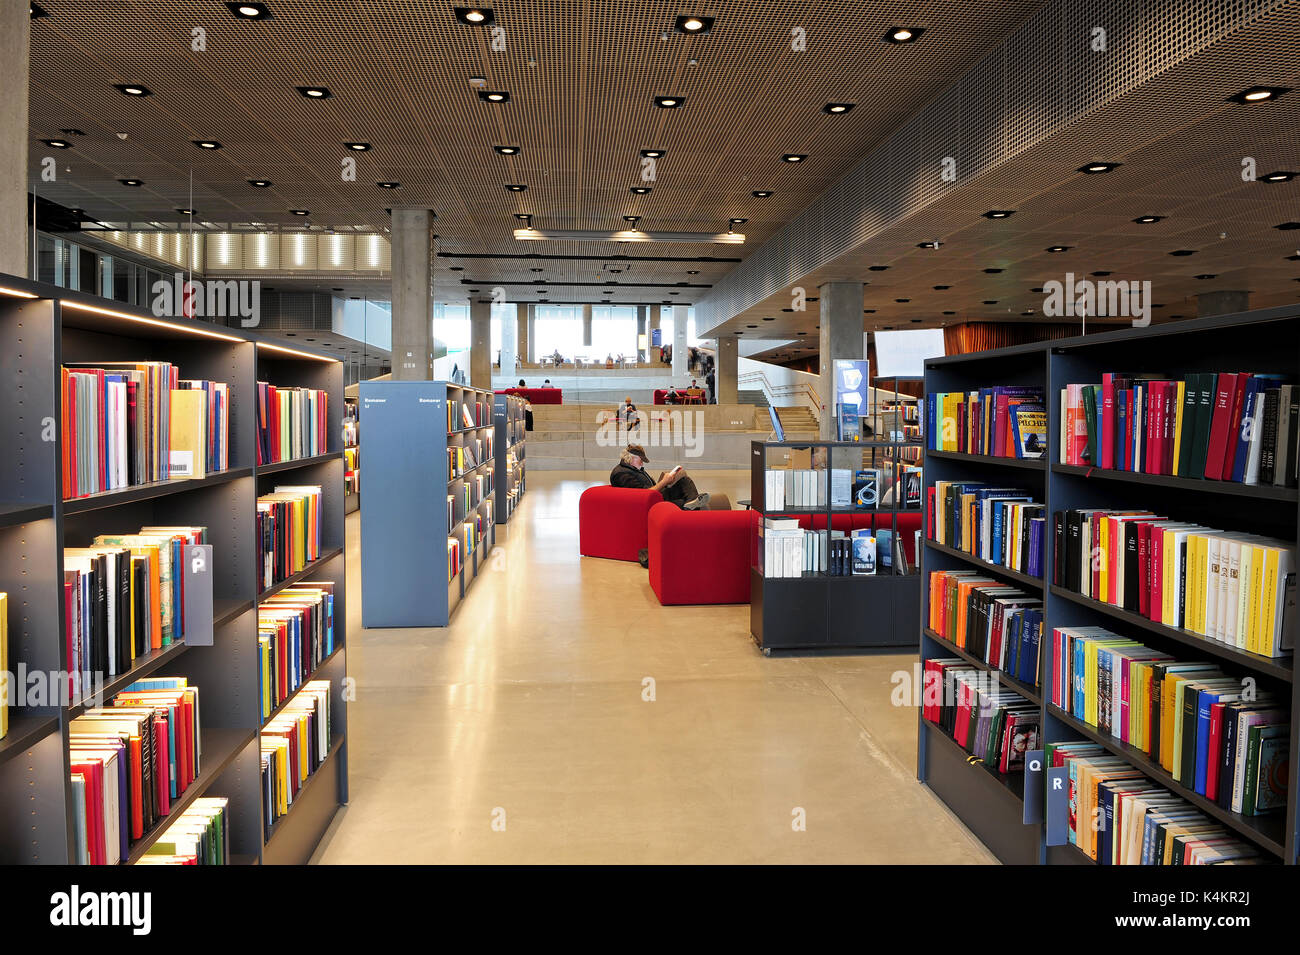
(528, 711)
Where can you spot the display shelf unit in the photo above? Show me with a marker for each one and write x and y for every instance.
(510, 451)
(351, 455)
(405, 525)
(1264, 341)
(821, 611)
(41, 327)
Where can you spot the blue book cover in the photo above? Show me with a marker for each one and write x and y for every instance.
(1204, 701)
(1015, 627)
(930, 400)
(1031, 634)
(1106, 796)
(1121, 419)
(1079, 707)
(1034, 564)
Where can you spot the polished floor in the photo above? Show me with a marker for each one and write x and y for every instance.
(521, 732)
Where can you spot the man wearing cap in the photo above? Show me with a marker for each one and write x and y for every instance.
(675, 486)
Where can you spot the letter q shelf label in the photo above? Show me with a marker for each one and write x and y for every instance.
(1058, 805)
(198, 595)
(1033, 787)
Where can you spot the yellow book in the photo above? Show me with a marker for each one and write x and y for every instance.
(189, 434)
(1178, 423)
(1195, 584)
(1103, 559)
(1242, 583)
(1258, 560)
(1268, 602)
(1139, 673)
(1170, 704)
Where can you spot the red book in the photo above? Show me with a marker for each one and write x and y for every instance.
(1215, 751)
(1144, 567)
(1156, 550)
(1221, 427)
(1093, 563)
(92, 770)
(1106, 437)
(963, 715)
(1131, 465)
(1154, 443)
(1171, 425)
(1234, 424)
(931, 691)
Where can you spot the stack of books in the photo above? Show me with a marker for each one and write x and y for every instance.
(1002, 525)
(1238, 589)
(291, 423)
(295, 632)
(1238, 427)
(1003, 422)
(198, 836)
(994, 725)
(288, 531)
(994, 622)
(294, 744)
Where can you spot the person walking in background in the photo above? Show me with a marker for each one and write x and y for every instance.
(712, 385)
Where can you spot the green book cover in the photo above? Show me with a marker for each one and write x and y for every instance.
(1266, 769)
(1090, 415)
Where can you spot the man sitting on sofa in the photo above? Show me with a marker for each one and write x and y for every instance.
(675, 486)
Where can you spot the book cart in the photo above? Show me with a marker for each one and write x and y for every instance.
(42, 326)
(991, 804)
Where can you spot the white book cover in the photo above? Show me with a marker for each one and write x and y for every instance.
(1212, 587)
(1232, 586)
(1256, 442)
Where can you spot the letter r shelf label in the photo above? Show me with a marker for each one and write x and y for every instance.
(1058, 805)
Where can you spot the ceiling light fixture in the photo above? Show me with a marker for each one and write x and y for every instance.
(187, 212)
(260, 183)
(1147, 220)
(998, 213)
(494, 96)
(132, 89)
(993, 271)
(37, 11)
(357, 147)
(693, 25)
(1282, 175)
(738, 221)
(524, 216)
(249, 11)
(903, 34)
(515, 187)
(475, 16)
(206, 143)
(506, 150)
(131, 182)
(942, 288)
(653, 153)
(1095, 168)
(1058, 248)
(1206, 277)
(1287, 226)
(314, 92)
(57, 143)
(301, 212)
(761, 194)
(835, 109)
(1258, 94)
(631, 235)
(1183, 252)
(389, 185)
(669, 102)
(794, 157)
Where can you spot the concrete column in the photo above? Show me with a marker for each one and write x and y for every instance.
(412, 259)
(523, 325)
(586, 326)
(510, 341)
(1222, 303)
(656, 311)
(15, 235)
(841, 337)
(642, 329)
(679, 340)
(480, 343)
(530, 339)
(726, 370)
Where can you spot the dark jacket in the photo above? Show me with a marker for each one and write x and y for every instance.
(624, 475)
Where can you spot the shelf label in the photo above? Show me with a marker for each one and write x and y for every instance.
(1057, 806)
(1033, 786)
(198, 595)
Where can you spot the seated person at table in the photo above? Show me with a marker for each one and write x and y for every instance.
(521, 383)
(672, 396)
(675, 486)
(629, 413)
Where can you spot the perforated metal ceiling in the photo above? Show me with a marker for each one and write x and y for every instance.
(581, 77)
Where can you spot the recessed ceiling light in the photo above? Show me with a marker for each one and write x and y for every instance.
(769, 319)
(787, 310)
(917, 321)
(206, 143)
(314, 92)
(249, 11)
(998, 213)
(1094, 168)
(1183, 252)
(669, 102)
(877, 268)
(692, 271)
(990, 301)
(1039, 289)
(57, 143)
(132, 89)
(640, 190)
(738, 221)
(1058, 248)
(389, 185)
(73, 132)
(536, 270)
(1095, 274)
(653, 153)
(131, 182)
(927, 245)
(1205, 277)
(942, 288)
(761, 194)
(868, 311)
(1293, 258)
(515, 187)
(37, 11)
(474, 16)
(260, 183)
(993, 271)
(836, 109)
(524, 216)
(950, 313)
(738, 333)
(506, 150)
(357, 147)
(903, 34)
(794, 157)
(455, 268)
(1287, 226)
(632, 219)
(693, 25)
(187, 212)
(301, 212)
(494, 96)
(902, 301)
(1258, 94)
(1282, 175)
(1147, 220)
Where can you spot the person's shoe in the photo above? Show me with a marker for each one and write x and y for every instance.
(643, 557)
(701, 503)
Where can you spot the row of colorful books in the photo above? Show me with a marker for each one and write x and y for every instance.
(289, 523)
(295, 632)
(1236, 588)
(1118, 816)
(1001, 525)
(294, 744)
(468, 456)
(292, 423)
(130, 423)
(198, 836)
(1002, 421)
(995, 725)
(129, 762)
(124, 597)
(1213, 733)
(989, 619)
(468, 414)
(1239, 427)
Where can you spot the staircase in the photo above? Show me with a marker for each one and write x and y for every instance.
(754, 397)
(797, 420)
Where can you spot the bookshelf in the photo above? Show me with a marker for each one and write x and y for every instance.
(407, 579)
(511, 453)
(41, 327)
(1263, 341)
(817, 609)
(351, 455)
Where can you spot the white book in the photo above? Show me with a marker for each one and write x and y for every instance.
(1212, 587)
(1232, 586)
(1256, 441)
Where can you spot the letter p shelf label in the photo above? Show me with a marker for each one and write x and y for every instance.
(1058, 805)
(198, 595)
(1033, 787)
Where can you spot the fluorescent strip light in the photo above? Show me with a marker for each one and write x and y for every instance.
(629, 235)
(149, 321)
(301, 354)
(15, 292)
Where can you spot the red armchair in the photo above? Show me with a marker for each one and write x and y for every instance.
(699, 557)
(612, 521)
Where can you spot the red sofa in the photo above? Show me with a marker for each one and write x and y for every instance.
(538, 396)
(661, 397)
(699, 557)
(612, 521)
(909, 522)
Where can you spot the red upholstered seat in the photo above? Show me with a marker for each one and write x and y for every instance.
(612, 521)
(699, 557)
(537, 396)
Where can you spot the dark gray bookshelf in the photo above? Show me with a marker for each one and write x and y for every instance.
(1263, 341)
(37, 335)
(819, 610)
(511, 443)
